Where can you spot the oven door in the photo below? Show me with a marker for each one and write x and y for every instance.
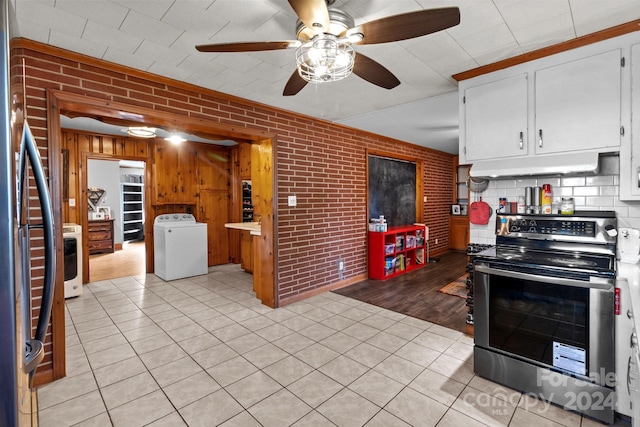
(560, 323)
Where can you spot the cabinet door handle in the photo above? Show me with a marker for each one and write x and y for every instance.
(521, 140)
(629, 375)
(540, 138)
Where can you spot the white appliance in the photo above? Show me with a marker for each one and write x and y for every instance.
(180, 246)
(627, 348)
(627, 351)
(629, 245)
(72, 236)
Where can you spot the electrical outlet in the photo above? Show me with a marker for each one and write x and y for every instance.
(436, 241)
(340, 265)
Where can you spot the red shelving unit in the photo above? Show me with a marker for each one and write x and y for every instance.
(396, 251)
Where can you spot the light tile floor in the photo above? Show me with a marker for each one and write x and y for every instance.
(203, 352)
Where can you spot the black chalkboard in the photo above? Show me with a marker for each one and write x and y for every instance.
(392, 190)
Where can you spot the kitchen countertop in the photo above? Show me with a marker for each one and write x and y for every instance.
(252, 227)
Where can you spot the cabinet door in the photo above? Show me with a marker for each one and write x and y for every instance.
(214, 210)
(175, 173)
(213, 169)
(459, 233)
(496, 119)
(246, 251)
(578, 104)
(630, 150)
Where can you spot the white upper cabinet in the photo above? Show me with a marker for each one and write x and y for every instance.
(630, 153)
(496, 119)
(571, 102)
(577, 105)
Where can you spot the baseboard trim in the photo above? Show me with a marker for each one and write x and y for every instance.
(317, 291)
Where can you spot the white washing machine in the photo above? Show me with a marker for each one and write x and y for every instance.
(180, 246)
(72, 236)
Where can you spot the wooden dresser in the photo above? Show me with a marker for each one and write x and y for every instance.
(100, 235)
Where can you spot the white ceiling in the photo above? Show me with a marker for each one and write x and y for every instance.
(159, 36)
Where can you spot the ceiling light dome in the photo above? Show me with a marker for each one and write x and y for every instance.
(141, 131)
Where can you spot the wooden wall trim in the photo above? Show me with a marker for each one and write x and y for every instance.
(104, 108)
(54, 156)
(419, 180)
(585, 40)
(44, 376)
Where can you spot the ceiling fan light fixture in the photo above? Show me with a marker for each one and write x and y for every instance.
(141, 131)
(340, 22)
(325, 59)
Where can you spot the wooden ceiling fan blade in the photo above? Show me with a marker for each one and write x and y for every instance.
(248, 46)
(313, 14)
(294, 85)
(374, 72)
(407, 25)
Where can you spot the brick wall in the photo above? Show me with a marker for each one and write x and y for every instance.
(323, 164)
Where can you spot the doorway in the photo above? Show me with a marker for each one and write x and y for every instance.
(263, 154)
(116, 238)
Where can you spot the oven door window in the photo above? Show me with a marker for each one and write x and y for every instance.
(542, 322)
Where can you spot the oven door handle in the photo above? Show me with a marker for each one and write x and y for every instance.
(593, 283)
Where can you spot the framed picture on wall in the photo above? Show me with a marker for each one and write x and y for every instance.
(455, 209)
(105, 210)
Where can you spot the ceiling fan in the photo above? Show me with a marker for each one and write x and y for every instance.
(325, 35)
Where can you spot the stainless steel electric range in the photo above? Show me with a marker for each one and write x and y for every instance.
(544, 309)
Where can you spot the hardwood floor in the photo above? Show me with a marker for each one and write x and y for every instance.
(416, 294)
(130, 261)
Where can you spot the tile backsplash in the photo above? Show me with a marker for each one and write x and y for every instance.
(590, 192)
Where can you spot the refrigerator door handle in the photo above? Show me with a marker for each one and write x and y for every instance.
(34, 355)
(35, 347)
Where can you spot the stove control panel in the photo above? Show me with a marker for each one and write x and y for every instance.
(543, 226)
(557, 227)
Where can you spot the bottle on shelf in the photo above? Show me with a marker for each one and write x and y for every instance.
(247, 204)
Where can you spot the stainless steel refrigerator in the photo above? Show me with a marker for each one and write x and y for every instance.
(21, 348)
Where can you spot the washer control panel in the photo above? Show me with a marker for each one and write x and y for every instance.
(174, 217)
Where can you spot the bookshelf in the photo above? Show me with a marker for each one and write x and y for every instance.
(396, 251)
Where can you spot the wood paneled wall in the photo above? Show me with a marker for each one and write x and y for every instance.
(190, 177)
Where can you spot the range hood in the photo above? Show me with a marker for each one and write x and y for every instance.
(557, 164)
